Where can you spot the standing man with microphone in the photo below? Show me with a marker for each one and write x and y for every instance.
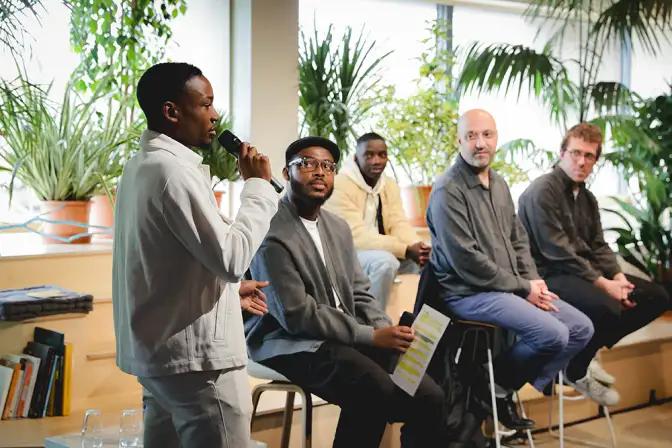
(177, 265)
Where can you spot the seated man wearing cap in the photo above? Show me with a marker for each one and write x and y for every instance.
(324, 331)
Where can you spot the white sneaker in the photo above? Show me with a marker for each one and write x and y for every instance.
(596, 391)
(596, 371)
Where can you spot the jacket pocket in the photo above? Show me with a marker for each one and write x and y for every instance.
(221, 316)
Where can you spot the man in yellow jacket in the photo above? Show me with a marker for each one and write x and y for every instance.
(370, 202)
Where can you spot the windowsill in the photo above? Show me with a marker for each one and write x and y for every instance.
(16, 246)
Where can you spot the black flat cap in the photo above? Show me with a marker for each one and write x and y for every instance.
(309, 142)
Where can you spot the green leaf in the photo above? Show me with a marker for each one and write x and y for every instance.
(504, 68)
(645, 20)
(55, 148)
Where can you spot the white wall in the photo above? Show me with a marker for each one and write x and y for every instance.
(265, 75)
(201, 37)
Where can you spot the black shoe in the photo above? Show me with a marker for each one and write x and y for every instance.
(507, 413)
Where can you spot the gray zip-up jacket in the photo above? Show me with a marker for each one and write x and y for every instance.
(177, 262)
(301, 309)
(478, 242)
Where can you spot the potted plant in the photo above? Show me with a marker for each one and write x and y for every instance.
(340, 83)
(59, 151)
(421, 129)
(114, 125)
(644, 155)
(421, 133)
(223, 166)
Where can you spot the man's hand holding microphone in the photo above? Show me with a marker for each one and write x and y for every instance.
(250, 162)
(253, 164)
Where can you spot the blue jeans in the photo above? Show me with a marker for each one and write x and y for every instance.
(546, 340)
(382, 267)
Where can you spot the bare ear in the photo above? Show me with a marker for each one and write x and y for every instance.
(171, 112)
(285, 173)
(356, 159)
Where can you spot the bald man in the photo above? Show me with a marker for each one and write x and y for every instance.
(482, 262)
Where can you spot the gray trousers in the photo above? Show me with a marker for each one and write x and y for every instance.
(197, 410)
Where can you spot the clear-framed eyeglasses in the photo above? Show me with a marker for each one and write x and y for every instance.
(309, 164)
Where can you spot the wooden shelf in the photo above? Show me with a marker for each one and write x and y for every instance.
(29, 432)
(21, 246)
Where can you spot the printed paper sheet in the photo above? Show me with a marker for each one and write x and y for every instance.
(429, 327)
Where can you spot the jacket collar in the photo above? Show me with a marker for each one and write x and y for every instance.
(152, 140)
(291, 210)
(567, 183)
(327, 269)
(469, 175)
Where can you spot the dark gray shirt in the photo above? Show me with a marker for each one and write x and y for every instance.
(478, 243)
(565, 232)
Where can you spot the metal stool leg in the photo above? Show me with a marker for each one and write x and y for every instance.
(256, 395)
(499, 433)
(307, 420)
(561, 410)
(522, 412)
(612, 433)
(287, 420)
(491, 374)
(561, 420)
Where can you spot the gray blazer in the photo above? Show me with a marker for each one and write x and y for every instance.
(300, 315)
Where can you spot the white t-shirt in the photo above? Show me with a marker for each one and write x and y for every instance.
(311, 227)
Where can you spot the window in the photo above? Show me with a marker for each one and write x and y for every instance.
(52, 60)
(524, 117)
(398, 26)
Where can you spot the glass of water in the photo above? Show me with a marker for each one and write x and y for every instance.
(130, 429)
(92, 429)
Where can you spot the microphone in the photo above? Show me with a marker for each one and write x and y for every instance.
(232, 145)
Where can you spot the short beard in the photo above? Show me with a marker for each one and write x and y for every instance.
(299, 193)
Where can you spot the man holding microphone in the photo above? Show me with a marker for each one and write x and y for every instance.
(177, 265)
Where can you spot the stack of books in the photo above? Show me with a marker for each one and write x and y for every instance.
(37, 382)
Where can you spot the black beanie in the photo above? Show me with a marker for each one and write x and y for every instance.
(309, 142)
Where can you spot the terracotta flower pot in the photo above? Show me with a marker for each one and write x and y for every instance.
(414, 200)
(101, 214)
(218, 197)
(75, 211)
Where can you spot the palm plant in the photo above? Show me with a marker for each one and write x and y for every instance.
(644, 239)
(12, 29)
(545, 73)
(339, 85)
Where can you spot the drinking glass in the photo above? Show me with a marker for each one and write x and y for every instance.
(92, 429)
(130, 429)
